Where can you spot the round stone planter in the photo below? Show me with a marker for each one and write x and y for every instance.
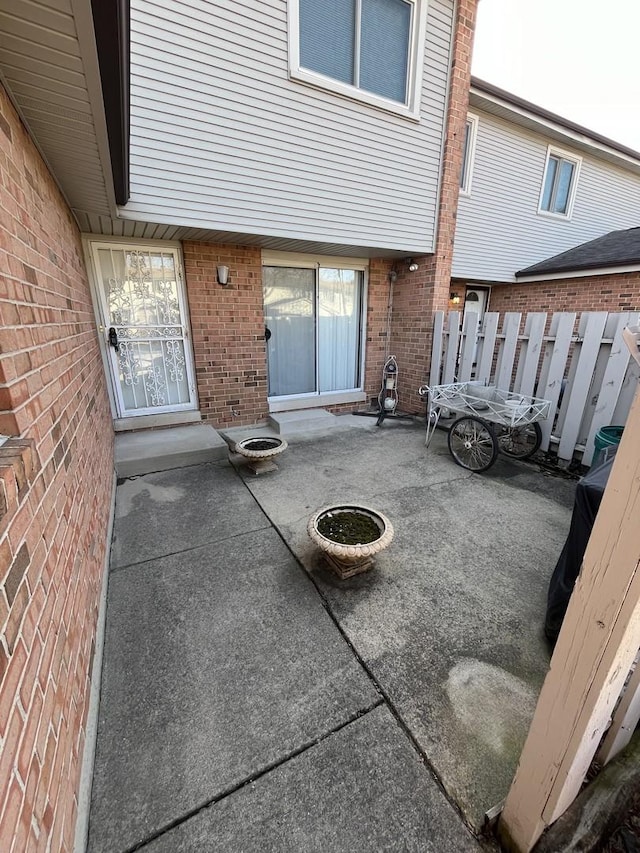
(259, 452)
(344, 558)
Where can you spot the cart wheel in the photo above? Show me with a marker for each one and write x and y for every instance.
(473, 444)
(521, 442)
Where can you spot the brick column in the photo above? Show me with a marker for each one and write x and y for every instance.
(417, 295)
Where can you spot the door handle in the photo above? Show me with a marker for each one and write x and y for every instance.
(113, 339)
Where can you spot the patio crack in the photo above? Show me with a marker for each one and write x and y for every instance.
(362, 712)
(114, 569)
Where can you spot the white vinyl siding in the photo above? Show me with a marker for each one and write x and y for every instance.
(222, 139)
(499, 229)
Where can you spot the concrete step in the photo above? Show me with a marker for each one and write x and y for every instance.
(301, 421)
(161, 449)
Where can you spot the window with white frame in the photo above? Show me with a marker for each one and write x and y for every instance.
(368, 49)
(468, 154)
(559, 183)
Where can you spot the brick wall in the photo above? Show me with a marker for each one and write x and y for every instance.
(417, 295)
(55, 493)
(227, 325)
(617, 292)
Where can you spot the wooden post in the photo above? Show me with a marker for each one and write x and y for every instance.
(598, 642)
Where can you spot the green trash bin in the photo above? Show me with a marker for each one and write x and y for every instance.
(607, 436)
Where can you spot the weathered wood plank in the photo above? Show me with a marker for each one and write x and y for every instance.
(624, 722)
(611, 384)
(469, 346)
(594, 323)
(598, 642)
(507, 352)
(436, 349)
(553, 368)
(530, 353)
(486, 346)
(451, 348)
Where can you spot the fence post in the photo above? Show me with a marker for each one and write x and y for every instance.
(598, 642)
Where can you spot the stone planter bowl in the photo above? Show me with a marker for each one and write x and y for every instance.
(348, 560)
(260, 461)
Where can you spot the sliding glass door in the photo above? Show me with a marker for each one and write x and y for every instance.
(313, 321)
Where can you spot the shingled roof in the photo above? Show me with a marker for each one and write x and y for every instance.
(616, 249)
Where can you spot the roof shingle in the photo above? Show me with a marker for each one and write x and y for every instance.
(615, 249)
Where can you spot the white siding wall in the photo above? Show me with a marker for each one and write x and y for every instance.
(222, 139)
(498, 228)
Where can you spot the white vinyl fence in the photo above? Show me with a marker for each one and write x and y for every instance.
(580, 363)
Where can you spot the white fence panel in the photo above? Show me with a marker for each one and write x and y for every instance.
(451, 349)
(556, 355)
(437, 348)
(486, 346)
(584, 357)
(611, 385)
(507, 350)
(469, 346)
(589, 377)
(530, 351)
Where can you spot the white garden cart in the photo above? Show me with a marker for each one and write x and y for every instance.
(488, 421)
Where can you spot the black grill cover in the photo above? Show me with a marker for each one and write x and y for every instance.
(589, 493)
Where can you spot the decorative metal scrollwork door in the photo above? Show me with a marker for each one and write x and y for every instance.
(142, 305)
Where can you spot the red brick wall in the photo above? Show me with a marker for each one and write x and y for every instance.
(417, 295)
(618, 292)
(228, 332)
(55, 493)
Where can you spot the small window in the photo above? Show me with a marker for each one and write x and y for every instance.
(468, 154)
(559, 185)
(368, 49)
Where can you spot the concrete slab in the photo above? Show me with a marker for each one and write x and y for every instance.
(450, 621)
(170, 511)
(322, 429)
(162, 449)
(362, 789)
(304, 420)
(220, 662)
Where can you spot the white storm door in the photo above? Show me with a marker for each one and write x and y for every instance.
(143, 311)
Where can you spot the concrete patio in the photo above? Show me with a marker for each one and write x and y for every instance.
(248, 704)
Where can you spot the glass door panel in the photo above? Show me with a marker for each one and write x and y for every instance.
(289, 310)
(142, 302)
(339, 314)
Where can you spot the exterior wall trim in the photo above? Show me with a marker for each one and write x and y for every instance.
(524, 279)
(410, 110)
(91, 730)
(471, 153)
(599, 147)
(315, 401)
(83, 18)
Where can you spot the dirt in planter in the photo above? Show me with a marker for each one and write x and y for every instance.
(262, 444)
(349, 528)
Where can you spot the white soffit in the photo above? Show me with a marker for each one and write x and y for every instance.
(49, 64)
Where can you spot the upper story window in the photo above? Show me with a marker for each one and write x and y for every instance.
(468, 154)
(560, 182)
(367, 49)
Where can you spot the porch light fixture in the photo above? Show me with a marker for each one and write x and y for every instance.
(413, 266)
(223, 275)
(454, 297)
